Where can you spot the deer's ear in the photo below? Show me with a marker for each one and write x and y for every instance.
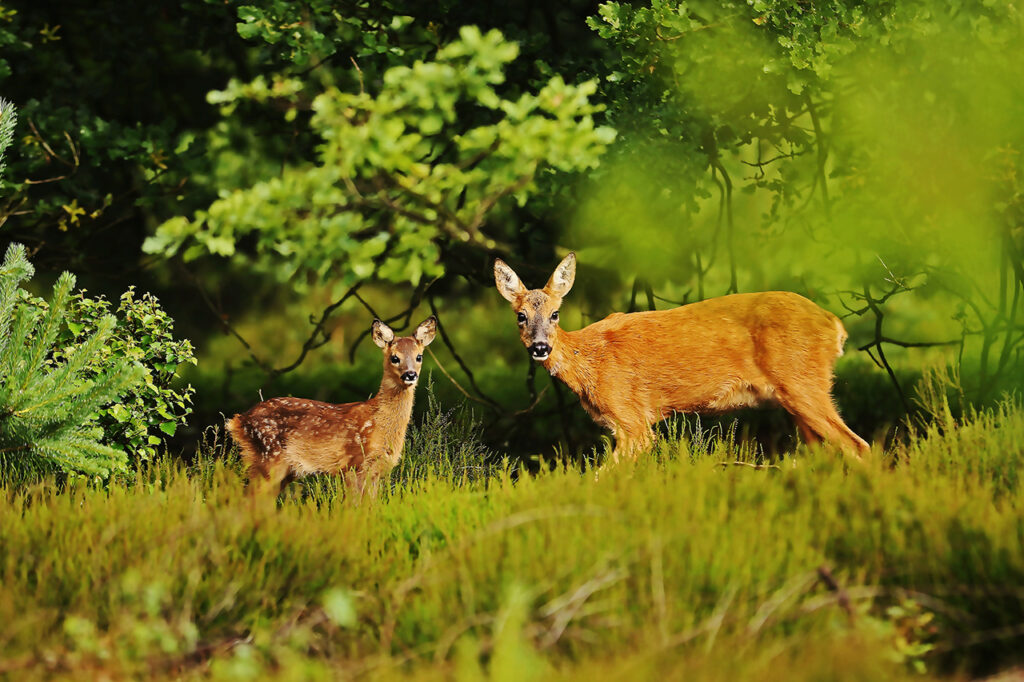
(507, 281)
(425, 332)
(382, 334)
(563, 277)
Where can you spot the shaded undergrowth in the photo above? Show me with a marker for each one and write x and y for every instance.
(701, 560)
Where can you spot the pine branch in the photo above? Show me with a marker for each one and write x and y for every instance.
(8, 119)
(13, 272)
(46, 412)
(45, 337)
(59, 384)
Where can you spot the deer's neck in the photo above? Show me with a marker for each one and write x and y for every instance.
(573, 360)
(393, 408)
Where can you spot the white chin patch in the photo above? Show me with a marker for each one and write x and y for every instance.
(409, 382)
(541, 358)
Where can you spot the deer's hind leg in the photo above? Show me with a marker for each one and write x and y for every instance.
(802, 377)
(806, 432)
(818, 421)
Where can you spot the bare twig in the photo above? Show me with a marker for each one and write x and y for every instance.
(877, 345)
(748, 464)
(822, 147)
(726, 187)
(455, 383)
(486, 399)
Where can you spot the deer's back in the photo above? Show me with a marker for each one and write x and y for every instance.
(309, 435)
(712, 355)
(716, 325)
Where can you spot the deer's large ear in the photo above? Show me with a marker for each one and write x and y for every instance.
(563, 277)
(382, 334)
(507, 281)
(425, 332)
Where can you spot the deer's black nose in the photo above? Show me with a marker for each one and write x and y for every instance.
(540, 351)
(409, 377)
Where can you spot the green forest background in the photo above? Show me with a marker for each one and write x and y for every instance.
(203, 202)
(277, 174)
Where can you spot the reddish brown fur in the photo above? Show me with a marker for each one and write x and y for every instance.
(285, 438)
(633, 370)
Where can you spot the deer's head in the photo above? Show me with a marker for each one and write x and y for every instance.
(536, 309)
(403, 356)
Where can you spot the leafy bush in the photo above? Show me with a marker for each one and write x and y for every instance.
(81, 387)
(48, 406)
(152, 410)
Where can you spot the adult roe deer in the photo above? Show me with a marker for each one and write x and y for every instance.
(630, 371)
(285, 438)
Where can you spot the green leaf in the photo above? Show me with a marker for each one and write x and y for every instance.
(339, 607)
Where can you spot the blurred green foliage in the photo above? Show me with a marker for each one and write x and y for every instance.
(866, 154)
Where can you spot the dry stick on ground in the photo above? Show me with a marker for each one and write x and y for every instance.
(833, 585)
(738, 463)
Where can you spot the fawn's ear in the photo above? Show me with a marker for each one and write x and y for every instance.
(563, 277)
(425, 332)
(507, 281)
(382, 334)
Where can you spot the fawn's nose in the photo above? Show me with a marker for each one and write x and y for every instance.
(409, 377)
(540, 351)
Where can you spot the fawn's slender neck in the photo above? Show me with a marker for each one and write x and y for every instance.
(392, 410)
(572, 360)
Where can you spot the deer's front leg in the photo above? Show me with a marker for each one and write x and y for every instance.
(631, 440)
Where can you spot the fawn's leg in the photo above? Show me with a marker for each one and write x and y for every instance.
(355, 483)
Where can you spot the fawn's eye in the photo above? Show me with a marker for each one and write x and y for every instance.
(394, 359)
(521, 318)
(419, 358)
(554, 316)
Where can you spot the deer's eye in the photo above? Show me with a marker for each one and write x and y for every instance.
(394, 359)
(419, 358)
(521, 318)
(554, 316)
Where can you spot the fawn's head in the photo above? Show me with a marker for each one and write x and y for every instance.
(536, 309)
(403, 356)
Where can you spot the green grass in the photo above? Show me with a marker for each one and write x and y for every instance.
(685, 565)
